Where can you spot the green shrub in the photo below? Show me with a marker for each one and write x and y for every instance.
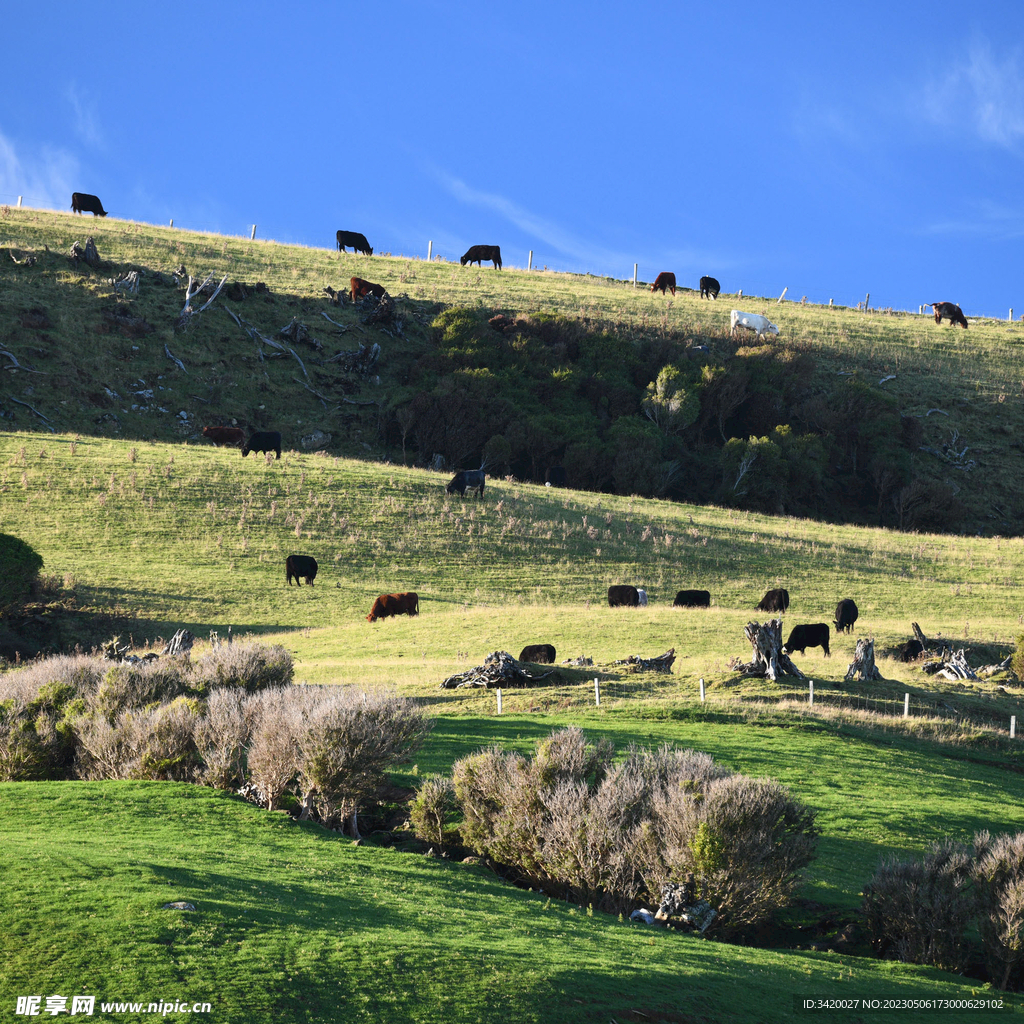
(19, 570)
(432, 808)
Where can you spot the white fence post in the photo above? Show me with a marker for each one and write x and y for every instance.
(529, 264)
(172, 222)
(830, 302)
(739, 294)
(1013, 726)
(906, 705)
(810, 699)
(597, 691)
(498, 692)
(253, 235)
(634, 274)
(1010, 317)
(430, 250)
(702, 691)
(783, 295)
(19, 207)
(867, 302)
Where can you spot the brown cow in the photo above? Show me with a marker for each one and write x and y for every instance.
(394, 604)
(233, 437)
(360, 288)
(666, 279)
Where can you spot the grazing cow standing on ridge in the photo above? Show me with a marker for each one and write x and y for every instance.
(846, 616)
(356, 240)
(623, 596)
(692, 599)
(666, 279)
(467, 479)
(479, 253)
(394, 604)
(82, 202)
(709, 288)
(302, 567)
(761, 325)
(774, 601)
(951, 311)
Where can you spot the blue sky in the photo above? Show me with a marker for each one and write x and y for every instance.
(831, 149)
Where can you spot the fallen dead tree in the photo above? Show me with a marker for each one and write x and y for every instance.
(187, 313)
(950, 665)
(499, 669)
(260, 339)
(769, 659)
(634, 663)
(298, 334)
(360, 360)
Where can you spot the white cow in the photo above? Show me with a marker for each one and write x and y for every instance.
(752, 322)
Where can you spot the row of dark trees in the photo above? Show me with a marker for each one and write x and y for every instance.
(691, 418)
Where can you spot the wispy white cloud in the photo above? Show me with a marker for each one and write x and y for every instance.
(44, 177)
(983, 92)
(86, 121)
(583, 252)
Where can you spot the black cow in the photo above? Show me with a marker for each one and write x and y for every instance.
(709, 288)
(692, 599)
(82, 202)
(302, 567)
(263, 441)
(951, 311)
(846, 616)
(802, 637)
(909, 651)
(356, 240)
(556, 476)
(538, 654)
(478, 253)
(623, 597)
(774, 601)
(466, 479)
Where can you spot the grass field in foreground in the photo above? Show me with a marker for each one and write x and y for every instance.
(296, 924)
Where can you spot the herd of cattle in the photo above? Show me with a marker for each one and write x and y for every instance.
(83, 202)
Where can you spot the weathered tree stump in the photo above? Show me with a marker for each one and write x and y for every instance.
(180, 643)
(769, 659)
(298, 333)
(499, 669)
(863, 664)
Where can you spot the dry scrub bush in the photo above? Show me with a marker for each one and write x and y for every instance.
(249, 666)
(349, 742)
(1000, 878)
(147, 743)
(431, 809)
(277, 720)
(127, 686)
(221, 738)
(920, 911)
(609, 834)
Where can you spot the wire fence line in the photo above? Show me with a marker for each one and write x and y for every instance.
(647, 686)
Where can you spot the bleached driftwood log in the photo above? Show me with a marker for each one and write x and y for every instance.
(260, 339)
(499, 669)
(769, 659)
(127, 283)
(863, 664)
(955, 667)
(634, 663)
(180, 643)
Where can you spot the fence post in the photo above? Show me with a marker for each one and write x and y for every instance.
(867, 301)
(498, 692)
(739, 294)
(634, 275)
(172, 222)
(830, 302)
(529, 265)
(253, 235)
(597, 691)
(1010, 317)
(906, 705)
(19, 207)
(782, 296)
(811, 697)
(430, 250)
(1013, 726)
(702, 691)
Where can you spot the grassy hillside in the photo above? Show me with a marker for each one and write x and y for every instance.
(891, 418)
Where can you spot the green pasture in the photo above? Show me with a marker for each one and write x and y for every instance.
(293, 923)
